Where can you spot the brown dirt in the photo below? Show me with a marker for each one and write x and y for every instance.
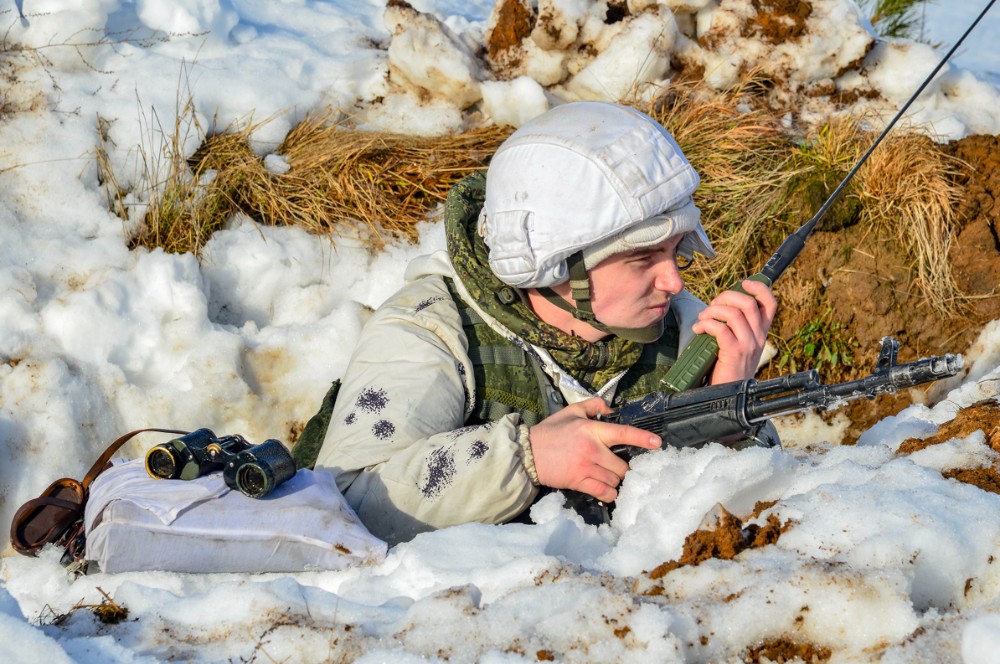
(725, 541)
(786, 650)
(778, 21)
(869, 285)
(987, 479)
(515, 21)
(976, 257)
(981, 416)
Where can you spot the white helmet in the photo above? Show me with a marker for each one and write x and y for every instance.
(590, 177)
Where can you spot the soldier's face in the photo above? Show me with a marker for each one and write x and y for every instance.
(634, 289)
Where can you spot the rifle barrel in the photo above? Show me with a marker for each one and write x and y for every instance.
(883, 381)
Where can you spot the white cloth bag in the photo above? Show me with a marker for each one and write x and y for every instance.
(134, 522)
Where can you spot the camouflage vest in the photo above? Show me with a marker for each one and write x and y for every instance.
(510, 380)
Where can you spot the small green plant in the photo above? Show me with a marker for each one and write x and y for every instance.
(894, 18)
(821, 161)
(822, 344)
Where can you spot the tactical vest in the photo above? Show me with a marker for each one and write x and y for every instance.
(508, 379)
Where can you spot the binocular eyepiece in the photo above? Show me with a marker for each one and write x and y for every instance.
(254, 470)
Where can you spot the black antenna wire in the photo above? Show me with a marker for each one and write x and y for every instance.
(698, 357)
(786, 254)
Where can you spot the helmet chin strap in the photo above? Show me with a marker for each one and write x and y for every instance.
(579, 284)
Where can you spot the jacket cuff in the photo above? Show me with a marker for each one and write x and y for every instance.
(527, 458)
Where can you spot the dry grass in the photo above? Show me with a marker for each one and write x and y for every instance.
(905, 192)
(338, 181)
(379, 186)
(907, 189)
(176, 209)
(341, 179)
(742, 157)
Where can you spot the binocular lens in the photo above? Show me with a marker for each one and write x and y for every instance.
(161, 462)
(253, 481)
(253, 469)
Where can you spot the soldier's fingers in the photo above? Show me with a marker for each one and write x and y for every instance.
(729, 325)
(592, 407)
(610, 435)
(608, 477)
(765, 297)
(599, 490)
(732, 307)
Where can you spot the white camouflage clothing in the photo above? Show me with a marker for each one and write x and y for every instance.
(397, 443)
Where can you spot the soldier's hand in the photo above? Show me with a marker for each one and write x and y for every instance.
(739, 322)
(572, 449)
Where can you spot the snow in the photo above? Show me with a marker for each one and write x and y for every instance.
(885, 559)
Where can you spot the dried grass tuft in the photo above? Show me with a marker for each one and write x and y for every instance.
(174, 209)
(376, 185)
(742, 157)
(907, 189)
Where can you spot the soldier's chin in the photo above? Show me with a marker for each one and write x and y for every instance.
(658, 312)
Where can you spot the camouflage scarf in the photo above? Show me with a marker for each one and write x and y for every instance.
(592, 364)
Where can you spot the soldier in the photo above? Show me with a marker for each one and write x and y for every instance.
(478, 384)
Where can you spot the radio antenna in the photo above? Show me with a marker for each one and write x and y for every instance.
(699, 356)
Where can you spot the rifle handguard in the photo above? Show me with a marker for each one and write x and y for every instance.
(717, 412)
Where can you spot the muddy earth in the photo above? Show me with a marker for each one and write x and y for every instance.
(868, 283)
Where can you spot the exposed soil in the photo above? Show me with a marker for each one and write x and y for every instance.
(725, 541)
(778, 21)
(785, 650)
(987, 479)
(514, 22)
(869, 285)
(982, 416)
(976, 257)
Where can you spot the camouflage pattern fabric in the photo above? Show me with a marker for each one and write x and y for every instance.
(592, 364)
(306, 448)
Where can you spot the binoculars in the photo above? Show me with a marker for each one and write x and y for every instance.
(254, 470)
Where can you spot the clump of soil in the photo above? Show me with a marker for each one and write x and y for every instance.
(778, 21)
(987, 479)
(975, 258)
(868, 285)
(983, 415)
(725, 541)
(785, 650)
(515, 21)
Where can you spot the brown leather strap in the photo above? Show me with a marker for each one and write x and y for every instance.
(42, 501)
(102, 461)
(56, 516)
(35, 524)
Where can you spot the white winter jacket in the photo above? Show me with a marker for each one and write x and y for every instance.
(397, 442)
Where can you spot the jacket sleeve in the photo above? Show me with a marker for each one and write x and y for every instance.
(397, 444)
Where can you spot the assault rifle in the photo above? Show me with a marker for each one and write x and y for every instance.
(726, 413)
